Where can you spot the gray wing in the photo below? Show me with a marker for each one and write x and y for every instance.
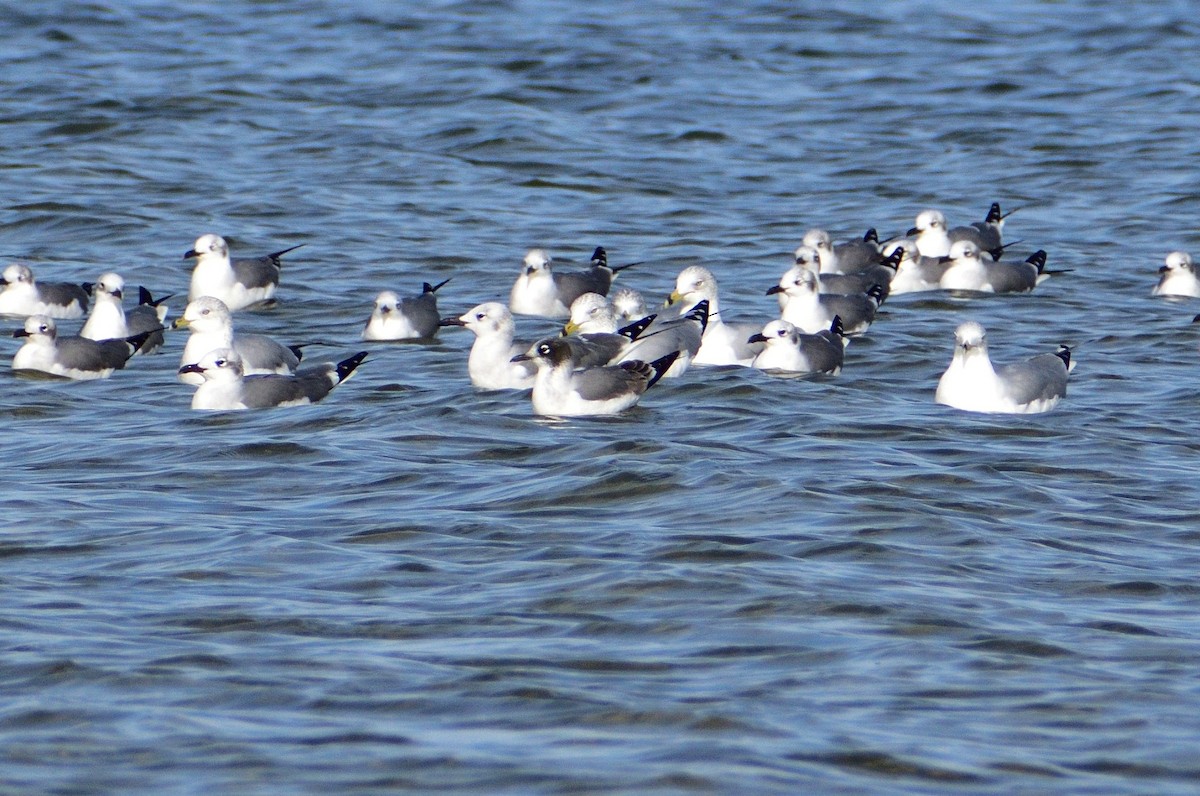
(574, 284)
(594, 350)
(1012, 277)
(981, 233)
(259, 352)
(1040, 378)
(854, 309)
(664, 338)
(62, 294)
(144, 318)
(849, 284)
(260, 392)
(422, 313)
(856, 255)
(602, 384)
(257, 272)
(79, 353)
(824, 355)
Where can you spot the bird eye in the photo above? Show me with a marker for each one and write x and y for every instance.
(479, 316)
(204, 312)
(544, 349)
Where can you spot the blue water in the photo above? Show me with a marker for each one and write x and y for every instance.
(746, 584)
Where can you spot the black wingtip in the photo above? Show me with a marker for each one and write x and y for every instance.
(1064, 354)
(348, 365)
(836, 327)
(274, 256)
(871, 236)
(600, 257)
(88, 287)
(994, 215)
(1038, 260)
(876, 292)
(893, 260)
(139, 340)
(428, 288)
(298, 350)
(660, 366)
(634, 330)
(699, 313)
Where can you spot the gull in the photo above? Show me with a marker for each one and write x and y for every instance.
(985, 234)
(932, 238)
(844, 258)
(596, 332)
(413, 318)
(490, 364)
(70, 357)
(226, 387)
(879, 273)
(790, 350)
(973, 384)
(563, 389)
(541, 292)
(238, 283)
(109, 321)
(915, 273)
(629, 303)
(20, 294)
(211, 325)
(810, 311)
(969, 271)
(723, 343)
(1178, 277)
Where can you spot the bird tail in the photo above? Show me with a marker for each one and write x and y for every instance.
(348, 365)
(660, 366)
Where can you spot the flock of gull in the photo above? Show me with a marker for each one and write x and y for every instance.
(611, 349)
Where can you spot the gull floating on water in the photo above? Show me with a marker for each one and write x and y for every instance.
(490, 363)
(540, 291)
(226, 387)
(973, 384)
(412, 318)
(20, 294)
(211, 326)
(792, 351)
(810, 311)
(723, 343)
(843, 258)
(238, 283)
(596, 333)
(109, 321)
(563, 389)
(968, 270)
(1178, 277)
(70, 357)
(879, 273)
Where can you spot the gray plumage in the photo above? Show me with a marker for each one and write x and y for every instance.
(985, 234)
(226, 387)
(211, 326)
(973, 384)
(787, 349)
(411, 318)
(563, 388)
(21, 294)
(71, 357)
